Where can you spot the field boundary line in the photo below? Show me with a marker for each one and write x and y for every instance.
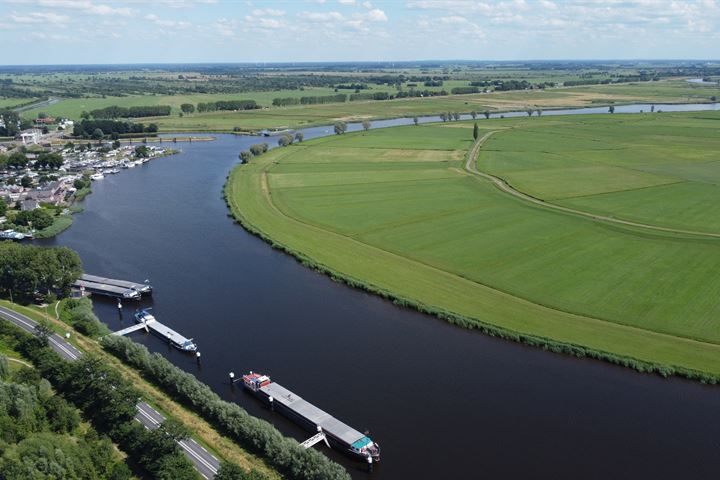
(503, 185)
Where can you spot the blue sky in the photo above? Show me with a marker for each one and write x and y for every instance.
(97, 31)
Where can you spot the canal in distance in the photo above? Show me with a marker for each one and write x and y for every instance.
(443, 402)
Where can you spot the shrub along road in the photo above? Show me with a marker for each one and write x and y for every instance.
(205, 463)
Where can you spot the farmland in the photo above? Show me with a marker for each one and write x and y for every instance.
(394, 211)
(309, 115)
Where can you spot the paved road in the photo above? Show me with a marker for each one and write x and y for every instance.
(204, 462)
(470, 166)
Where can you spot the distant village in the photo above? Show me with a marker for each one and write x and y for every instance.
(42, 174)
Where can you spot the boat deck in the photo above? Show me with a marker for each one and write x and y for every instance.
(307, 410)
(167, 332)
(106, 289)
(140, 287)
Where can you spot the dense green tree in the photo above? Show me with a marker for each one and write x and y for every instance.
(26, 181)
(10, 120)
(17, 160)
(258, 149)
(473, 114)
(141, 151)
(38, 218)
(611, 109)
(245, 156)
(299, 137)
(3, 207)
(187, 108)
(476, 131)
(25, 269)
(285, 140)
(416, 120)
(340, 128)
(366, 125)
(97, 134)
(53, 160)
(4, 367)
(487, 114)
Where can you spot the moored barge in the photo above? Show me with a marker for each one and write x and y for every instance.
(340, 435)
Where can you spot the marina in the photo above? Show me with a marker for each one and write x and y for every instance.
(342, 436)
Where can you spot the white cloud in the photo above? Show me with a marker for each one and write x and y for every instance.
(166, 23)
(40, 17)
(268, 12)
(377, 15)
(87, 7)
(367, 5)
(322, 17)
(346, 2)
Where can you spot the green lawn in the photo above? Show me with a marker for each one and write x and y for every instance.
(430, 232)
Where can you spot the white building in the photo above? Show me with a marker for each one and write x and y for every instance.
(30, 137)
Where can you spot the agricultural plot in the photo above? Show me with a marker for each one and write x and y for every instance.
(661, 169)
(432, 233)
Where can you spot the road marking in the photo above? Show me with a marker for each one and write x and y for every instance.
(29, 325)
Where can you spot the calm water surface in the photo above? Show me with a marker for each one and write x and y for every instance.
(443, 402)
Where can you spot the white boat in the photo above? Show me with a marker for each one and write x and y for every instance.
(97, 176)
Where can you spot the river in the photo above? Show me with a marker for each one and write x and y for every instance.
(443, 402)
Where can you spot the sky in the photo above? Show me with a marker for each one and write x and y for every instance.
(188, 31)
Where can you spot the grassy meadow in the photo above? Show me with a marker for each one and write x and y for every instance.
(395, 210)
(670, 91)
(661, 169)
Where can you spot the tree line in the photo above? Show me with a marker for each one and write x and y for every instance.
(115, 111)
(258, 436)
(26, 270)
(227, 105)
(90, 128)
(108, 402)
(41, 436)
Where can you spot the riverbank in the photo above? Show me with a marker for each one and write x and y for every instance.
(218, 443)
(328, 245)
(296, 117)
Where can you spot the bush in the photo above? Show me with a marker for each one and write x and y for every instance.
(78, 313)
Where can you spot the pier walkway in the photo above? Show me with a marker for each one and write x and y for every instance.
(133, 328)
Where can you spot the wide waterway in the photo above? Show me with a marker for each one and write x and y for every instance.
(443, 402)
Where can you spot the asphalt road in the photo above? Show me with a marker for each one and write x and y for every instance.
(205, 463)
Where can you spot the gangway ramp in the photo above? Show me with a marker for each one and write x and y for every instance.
(133, 328)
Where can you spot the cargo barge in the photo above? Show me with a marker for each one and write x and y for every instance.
(141, 288)
(340, 435)
(106, 289)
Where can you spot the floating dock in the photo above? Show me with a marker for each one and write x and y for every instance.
(310, 416)
(149, 323)
(142, 288)
(106, 289)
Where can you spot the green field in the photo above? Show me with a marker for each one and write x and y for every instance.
(661, 169)
(395, 210)
(669, 91)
